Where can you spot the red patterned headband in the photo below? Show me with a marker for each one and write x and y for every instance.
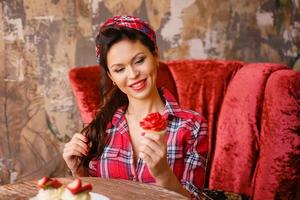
(128, 22)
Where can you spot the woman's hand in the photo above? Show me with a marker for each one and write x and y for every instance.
(154, 152)
(75, 150)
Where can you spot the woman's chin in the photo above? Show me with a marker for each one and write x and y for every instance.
(146, 93)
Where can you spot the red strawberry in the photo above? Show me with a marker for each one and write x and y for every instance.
(42, 182)
(55, 183)
(48, 182)
(86, 187)
(74, 186)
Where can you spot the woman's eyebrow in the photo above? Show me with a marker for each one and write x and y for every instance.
(132, 59)
(136, 55)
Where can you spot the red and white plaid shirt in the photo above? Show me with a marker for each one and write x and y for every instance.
(187, 146)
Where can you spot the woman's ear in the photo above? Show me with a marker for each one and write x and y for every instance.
(109, 75)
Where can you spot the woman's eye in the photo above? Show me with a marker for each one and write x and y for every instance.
(119, 70)
(140, 61)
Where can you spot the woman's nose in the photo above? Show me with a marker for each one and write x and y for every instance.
(132, 73)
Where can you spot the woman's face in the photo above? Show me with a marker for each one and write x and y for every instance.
(133, 68)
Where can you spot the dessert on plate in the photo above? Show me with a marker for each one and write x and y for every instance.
(76, 190)
(50, 189)
(154, 123)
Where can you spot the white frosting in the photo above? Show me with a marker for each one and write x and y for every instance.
(50, 194)
(67, 195)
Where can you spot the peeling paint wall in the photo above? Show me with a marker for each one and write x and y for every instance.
(42, 40)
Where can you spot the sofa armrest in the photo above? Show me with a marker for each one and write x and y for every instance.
(278, 165)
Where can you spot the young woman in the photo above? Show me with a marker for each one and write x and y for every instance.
(113, 145)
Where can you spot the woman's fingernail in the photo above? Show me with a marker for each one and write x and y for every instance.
(143, 133)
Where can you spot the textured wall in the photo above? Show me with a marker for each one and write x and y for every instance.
(41, 40)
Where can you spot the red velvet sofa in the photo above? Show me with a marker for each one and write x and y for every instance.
(253, 112)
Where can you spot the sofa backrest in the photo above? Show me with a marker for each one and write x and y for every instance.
(86, 86)
(253, 113)
(238, 129)
(234, 98)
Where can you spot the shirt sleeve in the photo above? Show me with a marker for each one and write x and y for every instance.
(195, 159)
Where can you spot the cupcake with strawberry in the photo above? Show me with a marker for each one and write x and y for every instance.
(76, 190)
(154, 123)
(50, 189)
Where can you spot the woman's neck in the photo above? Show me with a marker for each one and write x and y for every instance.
(140, 108)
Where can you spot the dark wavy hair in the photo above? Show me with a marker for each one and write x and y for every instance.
(113, 97)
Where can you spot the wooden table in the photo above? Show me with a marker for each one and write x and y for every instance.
(112, 188)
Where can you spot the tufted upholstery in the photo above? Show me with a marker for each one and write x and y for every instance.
(253, 113)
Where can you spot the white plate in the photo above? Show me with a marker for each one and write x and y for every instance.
(94, 196)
